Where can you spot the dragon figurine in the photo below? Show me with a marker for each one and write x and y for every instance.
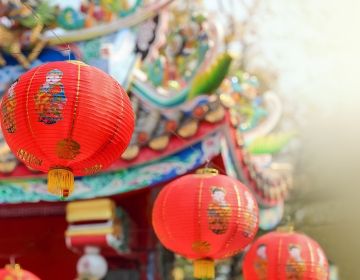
(22, 23)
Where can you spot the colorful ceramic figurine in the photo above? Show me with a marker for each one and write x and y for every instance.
(181, 55)
(96, 11)
(28, 20)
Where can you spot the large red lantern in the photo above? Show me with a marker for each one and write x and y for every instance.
(284, 255)
(66, 118)
(15, 272)
(205, 216)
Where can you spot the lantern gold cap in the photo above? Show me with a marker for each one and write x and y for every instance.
(208, 171)
(285, 229)
(15, 266)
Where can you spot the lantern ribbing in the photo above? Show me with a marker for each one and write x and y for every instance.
(285, 254)
(66, 118)
(204, 217)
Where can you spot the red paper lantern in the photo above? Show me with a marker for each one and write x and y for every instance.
(284, 255)
(205, 216)
(15, 272)
(66, 118)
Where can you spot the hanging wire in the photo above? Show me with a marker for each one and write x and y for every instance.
(69, 51)
(12, 260)
(35, 14)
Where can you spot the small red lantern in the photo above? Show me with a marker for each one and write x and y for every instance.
(205, 216)
(15, 272)
(66, 118)
(283, 255)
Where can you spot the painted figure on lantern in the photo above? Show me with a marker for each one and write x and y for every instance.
(295, 266)
(250, 221)
(8, 109)
(261, 262)
(50, 99)
(321, 269)
(219, 211)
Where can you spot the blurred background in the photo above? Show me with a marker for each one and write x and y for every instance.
(305, 51)
(313, 49)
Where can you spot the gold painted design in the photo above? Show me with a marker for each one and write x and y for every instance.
(93, 169)
(75, 105)
(295, 266)
(219, 211)
(8, 109)
(67, 149)
(27, 101)
(28, 158)
(261, 262)
(201, 247)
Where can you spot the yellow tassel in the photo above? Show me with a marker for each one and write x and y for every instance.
(204, 269)
(60, 182)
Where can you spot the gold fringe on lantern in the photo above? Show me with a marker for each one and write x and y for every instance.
(204, 269)
(60, 182)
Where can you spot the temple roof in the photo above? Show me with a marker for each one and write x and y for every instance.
(187, 112)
